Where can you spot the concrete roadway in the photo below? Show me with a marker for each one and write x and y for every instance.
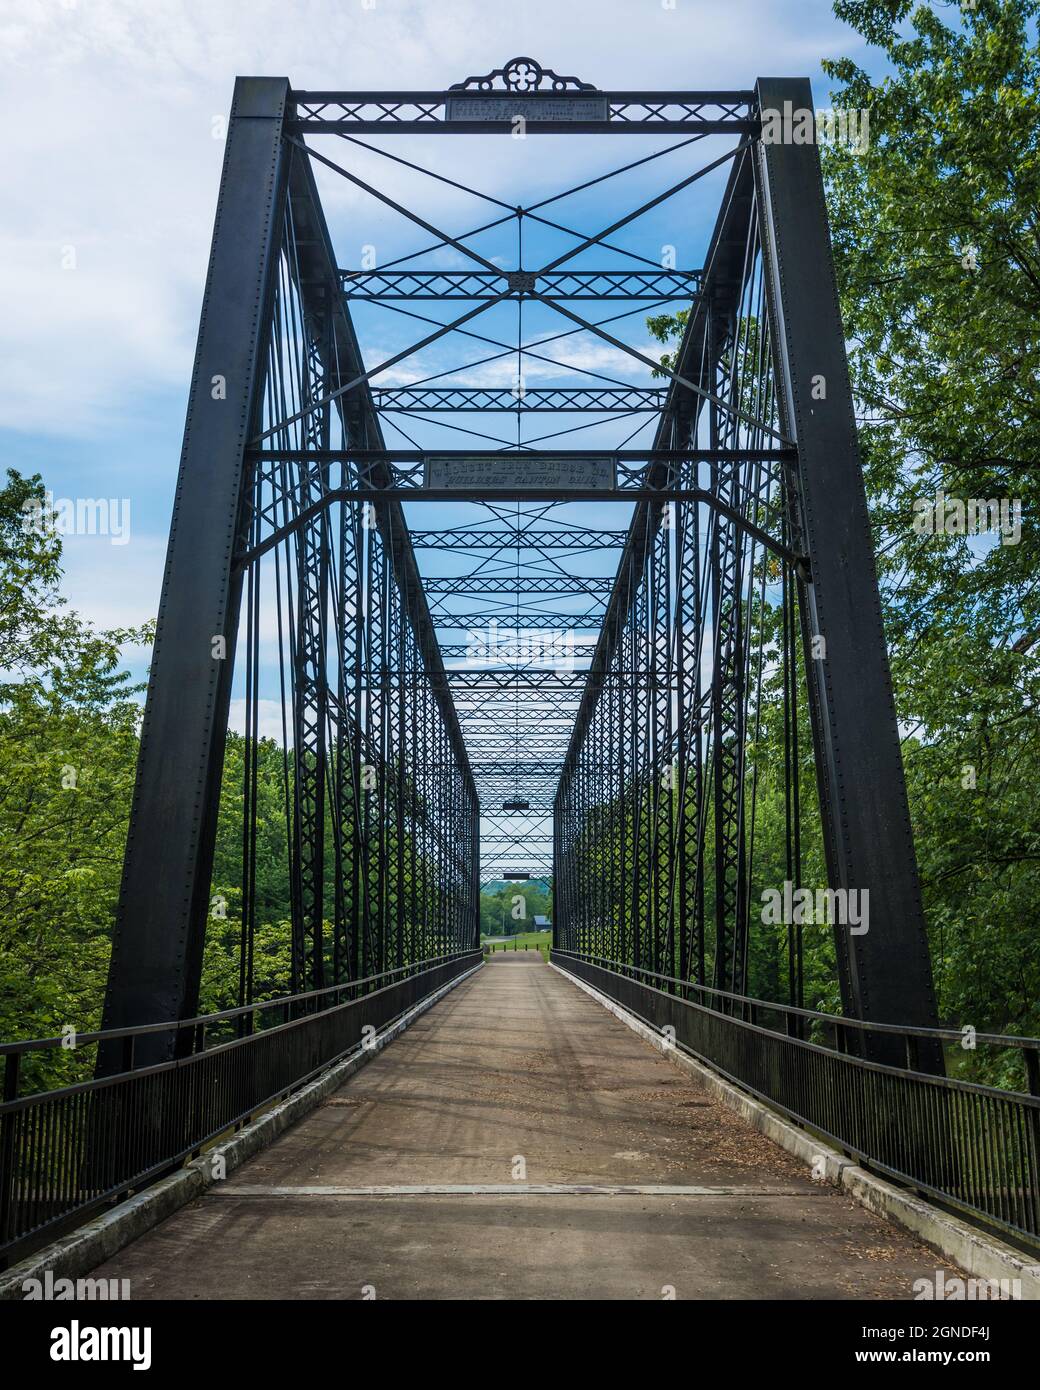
(517, 1078)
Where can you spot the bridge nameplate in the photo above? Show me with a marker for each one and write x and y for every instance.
(492, 472)
(534, 107)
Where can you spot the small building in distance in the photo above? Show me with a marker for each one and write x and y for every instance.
(542, 923)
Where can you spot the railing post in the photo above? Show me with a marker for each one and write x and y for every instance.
(1032, 1071)
(7, 1129)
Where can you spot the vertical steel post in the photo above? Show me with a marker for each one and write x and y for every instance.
(886, 971)
(163, 905)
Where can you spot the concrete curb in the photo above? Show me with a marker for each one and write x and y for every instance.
(980, 1255)
(84, 1249)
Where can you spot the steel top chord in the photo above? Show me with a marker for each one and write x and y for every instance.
(523, 89)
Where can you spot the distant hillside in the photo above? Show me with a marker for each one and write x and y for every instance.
(497, 884)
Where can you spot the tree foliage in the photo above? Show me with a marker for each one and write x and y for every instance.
(936, 235)
(68, 748)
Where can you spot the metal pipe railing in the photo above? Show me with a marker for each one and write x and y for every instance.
(67, 1152)
(955, 1035)
(972, 1147)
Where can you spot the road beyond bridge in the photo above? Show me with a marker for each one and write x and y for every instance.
(519, 1078)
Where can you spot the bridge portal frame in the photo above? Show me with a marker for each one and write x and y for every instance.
(161, 919)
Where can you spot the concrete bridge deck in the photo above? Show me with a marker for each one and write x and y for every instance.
(517, 1077)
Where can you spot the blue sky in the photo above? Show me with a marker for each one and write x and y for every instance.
(113, 107)
(113, 176)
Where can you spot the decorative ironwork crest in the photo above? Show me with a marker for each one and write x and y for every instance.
(523, 75)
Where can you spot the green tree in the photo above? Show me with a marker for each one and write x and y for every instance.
(936, 234)
(272, 944)
(496, 908)
(68, 746)
(937, 241)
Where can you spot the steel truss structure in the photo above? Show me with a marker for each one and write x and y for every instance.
(664, 715)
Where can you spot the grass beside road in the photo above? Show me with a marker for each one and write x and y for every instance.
(529, 940)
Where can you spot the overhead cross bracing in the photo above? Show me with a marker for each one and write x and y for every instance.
(517, 590)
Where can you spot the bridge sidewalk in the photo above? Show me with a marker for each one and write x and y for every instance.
(515, 1079)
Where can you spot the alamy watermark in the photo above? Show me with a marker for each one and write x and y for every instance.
(844, 907)
(79, 516)
(78, 1342)
(970, 516)
(497, 646)
(50, 1289)
(803, 126)
(945, 1290)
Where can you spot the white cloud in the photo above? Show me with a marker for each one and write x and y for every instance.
(269, 719)
(109, 108)
(114, 585)
(571, 360)
(108, 105)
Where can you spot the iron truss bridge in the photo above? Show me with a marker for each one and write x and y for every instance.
(469, 580)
